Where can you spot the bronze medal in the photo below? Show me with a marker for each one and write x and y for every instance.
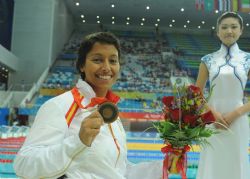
(108, 111)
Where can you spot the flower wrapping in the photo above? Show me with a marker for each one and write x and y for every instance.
(184, 124)
(179, 162)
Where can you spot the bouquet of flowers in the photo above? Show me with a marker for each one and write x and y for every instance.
(185, 117)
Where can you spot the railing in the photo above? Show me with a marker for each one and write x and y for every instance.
(6, 102)
(35, 88)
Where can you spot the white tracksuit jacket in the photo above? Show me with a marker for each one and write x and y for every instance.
(52, 148)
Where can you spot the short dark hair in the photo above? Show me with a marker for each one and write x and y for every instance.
(89, 41)
(230, 14)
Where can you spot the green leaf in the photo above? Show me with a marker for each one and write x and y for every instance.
(193, 132)
(206, 133)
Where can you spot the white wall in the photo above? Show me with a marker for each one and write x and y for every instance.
(40, 29)
(63, 27)
(31, 38)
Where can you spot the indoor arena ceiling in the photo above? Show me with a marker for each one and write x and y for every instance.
(164, 13)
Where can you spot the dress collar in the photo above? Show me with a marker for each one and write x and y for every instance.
(231, 50)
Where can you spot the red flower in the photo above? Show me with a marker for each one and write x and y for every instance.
(194, 89)
(175, 115)
(168, 100)
(190, 119)
(208, 117)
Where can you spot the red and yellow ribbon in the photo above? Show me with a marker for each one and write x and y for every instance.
(179, 163)
(94, 101)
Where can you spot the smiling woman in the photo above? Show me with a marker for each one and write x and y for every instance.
(101, 67)
(69, 137)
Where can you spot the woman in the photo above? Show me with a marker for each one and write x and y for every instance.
(69, 136)
(227, 70)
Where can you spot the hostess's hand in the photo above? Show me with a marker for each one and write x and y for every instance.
(220, 122)
(231, 116)
(90, 127)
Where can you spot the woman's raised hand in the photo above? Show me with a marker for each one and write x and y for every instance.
(90, 128)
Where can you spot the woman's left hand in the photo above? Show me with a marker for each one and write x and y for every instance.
(221, 124)
(231, 117)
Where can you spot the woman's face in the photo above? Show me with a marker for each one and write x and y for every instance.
(229, 31)
(101, 67)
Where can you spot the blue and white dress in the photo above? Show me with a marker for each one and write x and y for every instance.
(227, 157)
